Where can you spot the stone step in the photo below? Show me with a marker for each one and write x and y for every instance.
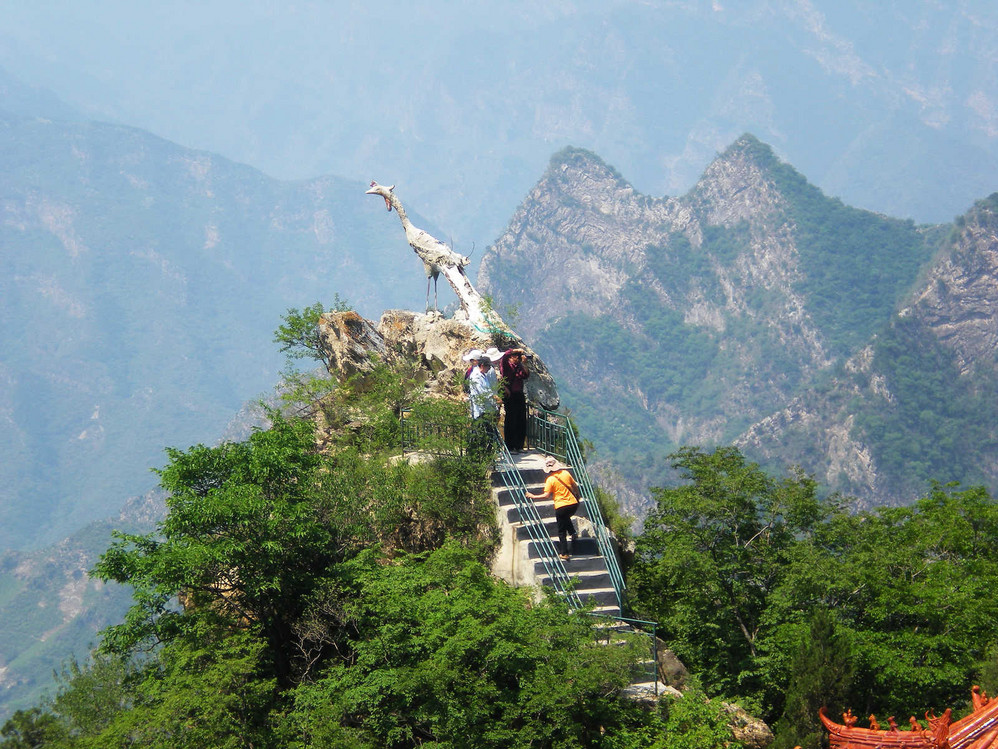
(601, 602)
(602, 596)
(529, 476)
(610, 610)
(585, 548)
(505, 498)
(533, 476)
(583, 579)
(587, 567)
(584, 545)
(576, 563)
(545, 510)
(598, 609)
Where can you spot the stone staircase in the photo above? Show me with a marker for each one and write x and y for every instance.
(587, 569)
(527, 559)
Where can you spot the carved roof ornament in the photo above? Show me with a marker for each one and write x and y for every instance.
(979, 730)
(439, 259)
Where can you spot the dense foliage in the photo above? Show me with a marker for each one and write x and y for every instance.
(789, 601)
(309, 589)
(856, 264)
(938, 422)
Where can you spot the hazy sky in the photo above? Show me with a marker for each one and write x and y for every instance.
(892, 106)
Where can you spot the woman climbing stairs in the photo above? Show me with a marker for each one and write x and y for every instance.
(586, 570)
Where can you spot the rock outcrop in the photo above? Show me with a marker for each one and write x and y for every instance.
(436, 343)
(748, 731)
(958, 302)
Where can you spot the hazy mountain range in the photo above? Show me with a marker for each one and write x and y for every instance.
(140, 283)
(891, 106)
(141, 280)
(755, 310)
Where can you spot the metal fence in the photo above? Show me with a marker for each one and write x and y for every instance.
(639, 631)
(553, 433)
(554, 568)
(433, 437)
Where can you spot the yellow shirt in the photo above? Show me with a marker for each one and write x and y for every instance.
(555, 485)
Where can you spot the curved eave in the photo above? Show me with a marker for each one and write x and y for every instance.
(844, 737)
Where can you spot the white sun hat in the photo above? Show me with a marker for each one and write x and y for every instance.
(552, 464)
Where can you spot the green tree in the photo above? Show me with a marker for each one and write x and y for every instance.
(32, 729)
(915, 586)
(213, 691)
(821, 675)
(692, 721)
(308, 589)
(93, 694)
(737, 565)
(299, 335)
(445, 655)
(243, 541)
(712, 552)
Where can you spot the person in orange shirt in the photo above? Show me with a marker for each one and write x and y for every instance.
(561, 487)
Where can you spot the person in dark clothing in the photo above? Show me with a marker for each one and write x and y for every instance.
(513, 373)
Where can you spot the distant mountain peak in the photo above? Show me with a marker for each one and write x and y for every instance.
(23, 100)
(687, 320)
(571, 162)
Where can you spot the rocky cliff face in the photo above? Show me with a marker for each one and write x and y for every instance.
(583, 234)
(434, 344)
(757, 311)
(948, 324)
(573, 238)
(958, 302)
(584, 243)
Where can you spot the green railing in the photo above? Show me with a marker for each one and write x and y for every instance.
(450, 439)
(558, 577)
(553, 433)
(646, 670)
(433, 437)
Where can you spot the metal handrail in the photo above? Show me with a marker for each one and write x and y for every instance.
(640, 627)
(532, 521)
(547, 434)
(559, 440)
(435, 438)
(419, 434)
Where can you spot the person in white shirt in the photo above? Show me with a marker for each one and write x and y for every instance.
(483, 400)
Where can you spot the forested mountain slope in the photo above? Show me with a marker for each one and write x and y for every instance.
(689, 320)
(139, 285)
(50, 608)
(918, 404)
